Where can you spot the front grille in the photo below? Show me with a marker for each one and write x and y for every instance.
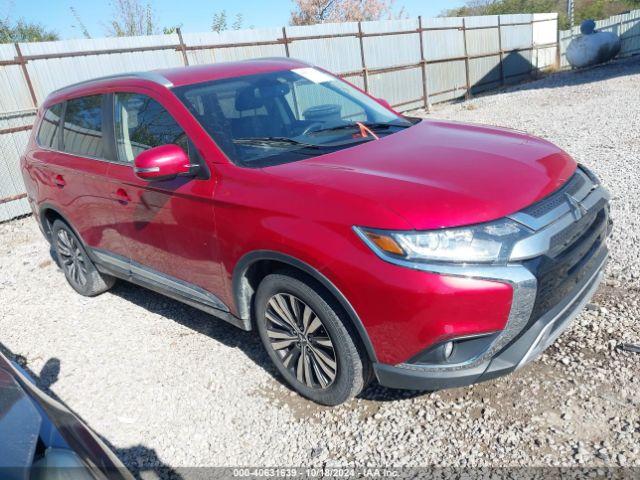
(544, 206)
(574, 255)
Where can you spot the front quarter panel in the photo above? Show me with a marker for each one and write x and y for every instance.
(403, 310)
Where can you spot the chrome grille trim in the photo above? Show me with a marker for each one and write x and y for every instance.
(540, 242)
(562, 320)
(557, 200)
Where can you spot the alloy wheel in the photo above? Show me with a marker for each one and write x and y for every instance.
(300, 340)
(71, 258)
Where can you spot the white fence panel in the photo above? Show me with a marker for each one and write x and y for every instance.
(49, 74)
(387, 60)
(338, 54)
(236, 53)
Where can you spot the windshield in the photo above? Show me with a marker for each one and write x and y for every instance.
(288, 115)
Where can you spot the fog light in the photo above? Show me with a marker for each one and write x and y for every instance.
(447, 350)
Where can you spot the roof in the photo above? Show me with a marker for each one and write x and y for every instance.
(176, 77)
(203, 73)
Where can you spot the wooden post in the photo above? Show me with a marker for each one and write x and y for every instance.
(286, 42)
(25, 72)
(558, 46)
(423, 65)
(467, 94)
(183, 47)
(20, 196)
(365, 73)
(294, 92)
(502, 75)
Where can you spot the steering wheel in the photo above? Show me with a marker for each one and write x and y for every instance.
(310, 127)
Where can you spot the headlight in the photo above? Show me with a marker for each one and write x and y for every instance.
(484, 243)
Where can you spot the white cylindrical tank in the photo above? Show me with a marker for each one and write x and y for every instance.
(592, 47)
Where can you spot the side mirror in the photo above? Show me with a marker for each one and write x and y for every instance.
(162, 163)
(384, 103)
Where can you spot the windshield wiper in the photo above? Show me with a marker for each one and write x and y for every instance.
(371, 125)
(274, 141)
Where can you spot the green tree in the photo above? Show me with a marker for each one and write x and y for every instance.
(22, 31)
(131, 18)
(583, 9)
(220, 22)
(80, 25)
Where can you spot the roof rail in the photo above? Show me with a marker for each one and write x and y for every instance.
(151, 76)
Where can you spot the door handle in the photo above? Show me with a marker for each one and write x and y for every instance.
(121, 196)
(59, 181)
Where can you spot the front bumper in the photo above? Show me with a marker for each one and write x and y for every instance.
(553, 272)
(531, 343)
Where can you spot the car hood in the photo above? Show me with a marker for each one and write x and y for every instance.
(441, 174)
(39, 434)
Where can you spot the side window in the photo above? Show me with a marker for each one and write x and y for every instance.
(48, 132)
(82, 131)
(142, 123)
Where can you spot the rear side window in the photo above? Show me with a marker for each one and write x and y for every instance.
(142, 123)
(48, 133)
(82, 131)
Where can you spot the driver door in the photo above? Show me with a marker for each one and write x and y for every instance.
(167, 227)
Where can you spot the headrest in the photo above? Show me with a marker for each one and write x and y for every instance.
(253, 97)
(248, 99)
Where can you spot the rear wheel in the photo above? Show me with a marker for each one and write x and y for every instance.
(305, 334)
(78, 268)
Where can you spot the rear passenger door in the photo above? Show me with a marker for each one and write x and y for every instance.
(167, 227)
(71, 166)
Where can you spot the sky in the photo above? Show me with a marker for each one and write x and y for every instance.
(194, 15)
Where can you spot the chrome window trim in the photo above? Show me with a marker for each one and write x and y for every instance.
(152, 76)
(83, 157)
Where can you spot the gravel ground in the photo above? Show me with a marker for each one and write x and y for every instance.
(168, 386)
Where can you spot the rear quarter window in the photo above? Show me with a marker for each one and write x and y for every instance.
(49, 127)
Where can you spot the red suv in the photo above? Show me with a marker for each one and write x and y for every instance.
(359, 243)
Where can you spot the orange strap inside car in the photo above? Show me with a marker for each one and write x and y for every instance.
(366, 131)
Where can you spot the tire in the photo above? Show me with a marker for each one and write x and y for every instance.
(73, 260)
(306, 335)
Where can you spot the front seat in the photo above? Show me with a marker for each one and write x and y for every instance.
(254, 119)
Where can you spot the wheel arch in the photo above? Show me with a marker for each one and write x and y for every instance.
(49, 214)
(254, 266)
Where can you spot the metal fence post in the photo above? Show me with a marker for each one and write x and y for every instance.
(23, 64)
(467, 94)
(183, 47)
(365, 73)
(558, 46)
(423, 65)
(285, 39)
(502, 76)
(294, 92)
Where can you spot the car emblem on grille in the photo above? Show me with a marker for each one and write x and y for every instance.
(577, 209)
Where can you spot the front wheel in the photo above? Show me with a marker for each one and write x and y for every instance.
(305, 334)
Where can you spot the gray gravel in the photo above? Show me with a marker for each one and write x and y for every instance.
(166, 385)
